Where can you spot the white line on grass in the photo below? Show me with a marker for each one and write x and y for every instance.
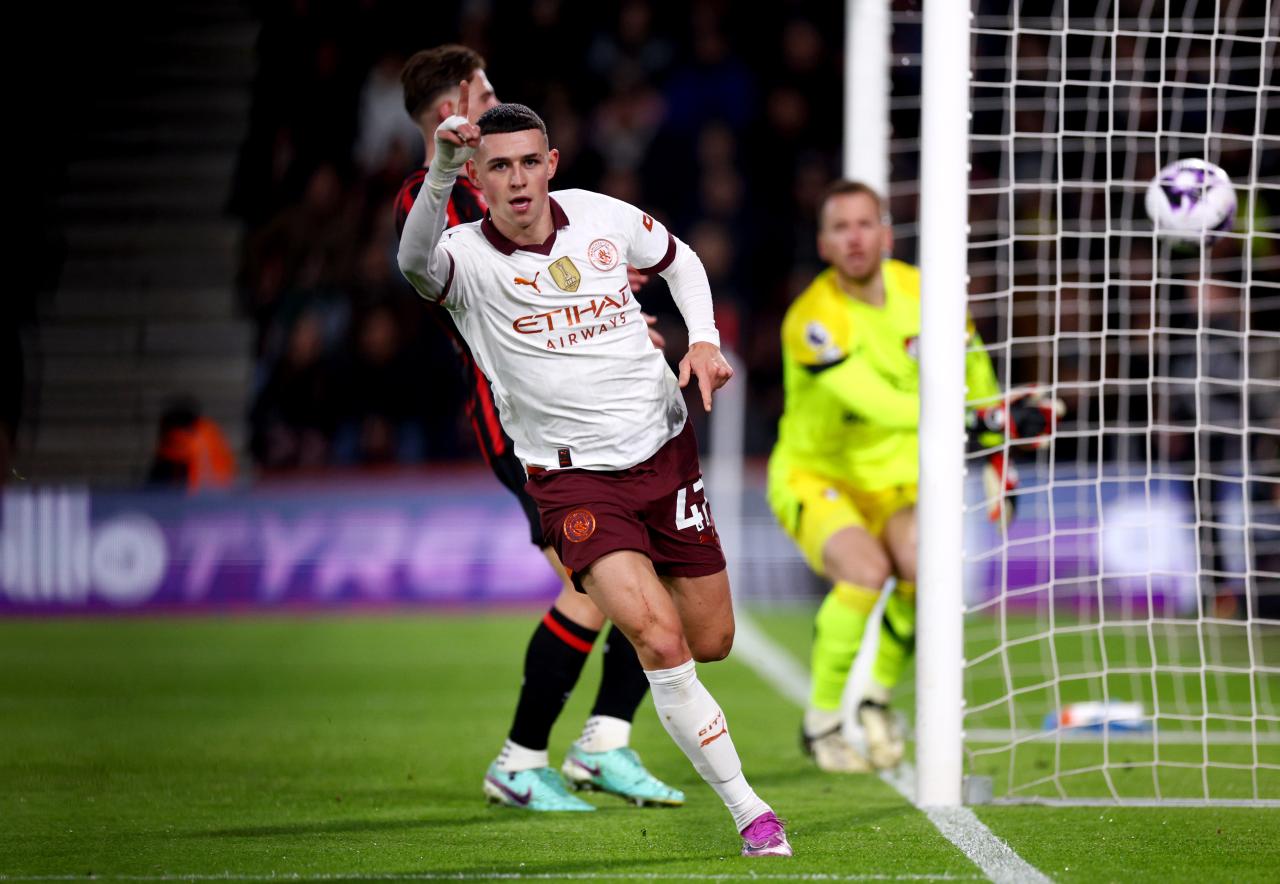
(492, 876)
(959, 825)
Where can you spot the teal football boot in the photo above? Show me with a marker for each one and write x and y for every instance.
(538, 788)
(618, 772)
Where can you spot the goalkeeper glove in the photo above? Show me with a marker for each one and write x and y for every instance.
(999, 477)
(1027, 415)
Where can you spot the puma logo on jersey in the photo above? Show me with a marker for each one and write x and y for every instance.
(520, 280)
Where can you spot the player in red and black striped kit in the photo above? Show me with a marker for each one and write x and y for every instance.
(601, 758)
(466, 204)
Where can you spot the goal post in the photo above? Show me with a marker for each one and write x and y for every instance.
(866, 96)
(1119, 641)
(943, 223)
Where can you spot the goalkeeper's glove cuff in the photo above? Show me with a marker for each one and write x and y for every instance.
(1029, 416)
(999, 478)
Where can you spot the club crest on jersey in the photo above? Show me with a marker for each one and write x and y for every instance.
(566, 274)
(602, 254)
(579, 525)
(912, 346)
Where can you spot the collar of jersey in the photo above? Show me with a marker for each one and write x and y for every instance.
(496, 239)
(892, 271)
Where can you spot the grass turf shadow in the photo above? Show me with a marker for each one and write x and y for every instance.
(333, 827)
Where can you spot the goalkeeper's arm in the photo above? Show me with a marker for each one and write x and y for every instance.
(1020, 415)
(1000, 417)
(865, 392)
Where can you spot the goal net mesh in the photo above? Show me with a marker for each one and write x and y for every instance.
(1123, 632)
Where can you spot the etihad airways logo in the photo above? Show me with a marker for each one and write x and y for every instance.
(573, 315)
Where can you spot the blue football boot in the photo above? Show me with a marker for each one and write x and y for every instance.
(618, 772)
(539, 788)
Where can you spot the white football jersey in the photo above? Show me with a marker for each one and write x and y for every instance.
(559, 334)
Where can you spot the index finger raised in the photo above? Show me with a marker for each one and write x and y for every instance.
(464, 99)
(705, 385)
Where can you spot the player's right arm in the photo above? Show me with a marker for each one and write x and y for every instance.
(866, 393)
(820, 340)
(428, 266)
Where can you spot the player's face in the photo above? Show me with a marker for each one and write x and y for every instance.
(852, 236)
(514, 172)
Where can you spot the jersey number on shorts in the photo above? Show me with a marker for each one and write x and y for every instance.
(699, 515)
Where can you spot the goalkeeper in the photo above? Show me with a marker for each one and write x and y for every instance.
(842, 477)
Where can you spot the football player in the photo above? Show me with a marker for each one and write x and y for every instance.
(601, 757)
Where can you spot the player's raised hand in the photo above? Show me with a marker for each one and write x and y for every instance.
(457, 137)
(705, 362)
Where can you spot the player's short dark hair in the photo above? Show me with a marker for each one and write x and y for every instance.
(844, 187)
(509, 118)
(433, 71)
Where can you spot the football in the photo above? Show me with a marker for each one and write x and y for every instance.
(1191, 199)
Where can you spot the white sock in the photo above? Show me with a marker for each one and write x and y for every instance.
(514, 757)
(694, 720)
(602, 733)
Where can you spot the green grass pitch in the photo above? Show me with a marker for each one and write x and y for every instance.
(325, 748)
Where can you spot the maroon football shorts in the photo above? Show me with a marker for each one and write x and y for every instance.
(657, 507)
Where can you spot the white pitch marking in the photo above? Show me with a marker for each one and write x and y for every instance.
(997, 860)
(493, 876)
(961, 826)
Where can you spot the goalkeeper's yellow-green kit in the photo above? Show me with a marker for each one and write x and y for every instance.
(847, 451)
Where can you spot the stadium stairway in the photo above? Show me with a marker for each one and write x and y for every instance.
(146, 305)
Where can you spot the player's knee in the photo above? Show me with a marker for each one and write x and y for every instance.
(659, 645)
(867, 566)
(901, 540)
(709, 648)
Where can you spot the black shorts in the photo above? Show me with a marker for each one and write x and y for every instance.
(510, 472)
(500, 453)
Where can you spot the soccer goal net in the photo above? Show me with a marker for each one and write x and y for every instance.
(1122, 632)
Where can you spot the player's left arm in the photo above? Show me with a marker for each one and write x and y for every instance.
(428, 266)
(1021, 414)
(999, 476)
(1026, 413)
(691, 290)
(981, 387)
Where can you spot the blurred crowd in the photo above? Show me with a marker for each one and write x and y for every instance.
(726, 126)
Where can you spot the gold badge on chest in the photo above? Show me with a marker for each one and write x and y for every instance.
(565, 274)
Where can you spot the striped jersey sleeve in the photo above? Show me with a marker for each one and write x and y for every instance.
(466, 203)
